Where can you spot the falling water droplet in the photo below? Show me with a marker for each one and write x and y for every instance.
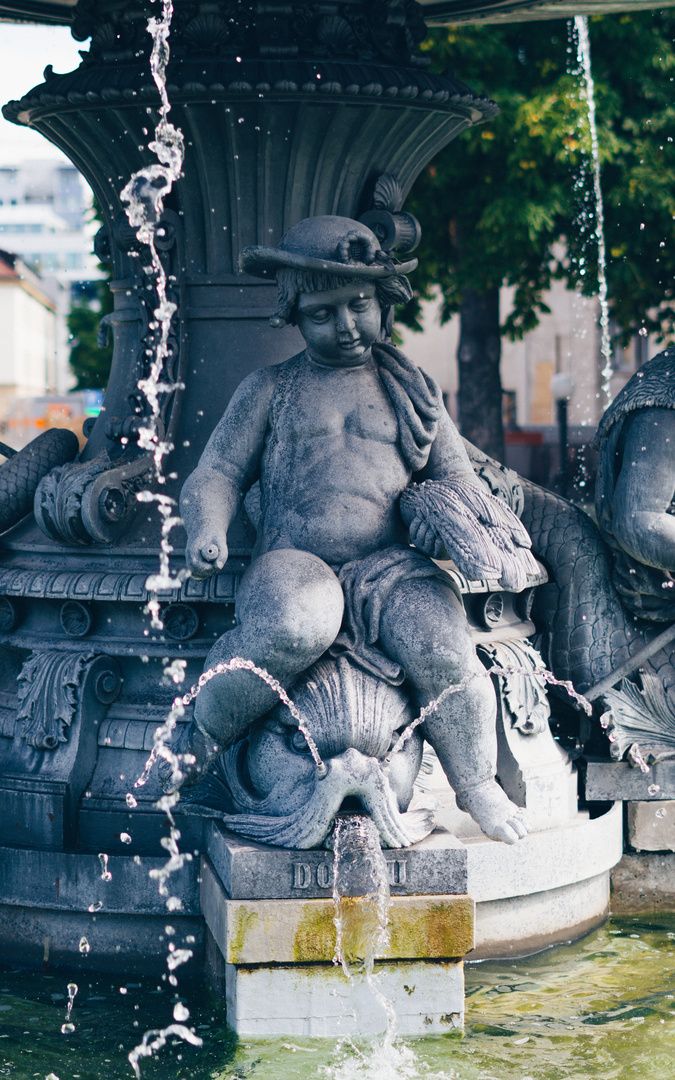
(105, 873)
(125, 838)
(84, 946)
(68, 1027)
(131, 801)
(653, 789)
(180, 1013)
(661, 813)
(96, 906)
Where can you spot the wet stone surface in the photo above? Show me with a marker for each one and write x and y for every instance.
(435, 866)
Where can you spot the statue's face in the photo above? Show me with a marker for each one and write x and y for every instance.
(340, 325)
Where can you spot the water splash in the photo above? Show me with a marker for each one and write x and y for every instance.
(68, 1027)
(362, 903)
(584, 60)
(456, 688)
(156, 1039)
(144, 195)
(238, 663)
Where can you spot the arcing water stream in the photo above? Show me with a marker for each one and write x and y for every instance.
(584, 61)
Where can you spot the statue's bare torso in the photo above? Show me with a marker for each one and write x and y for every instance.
(332, 470)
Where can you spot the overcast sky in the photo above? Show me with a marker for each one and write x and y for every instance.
(25, 51)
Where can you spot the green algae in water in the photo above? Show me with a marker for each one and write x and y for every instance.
(600, 1009)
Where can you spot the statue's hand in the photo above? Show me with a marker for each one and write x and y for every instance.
(206, 554)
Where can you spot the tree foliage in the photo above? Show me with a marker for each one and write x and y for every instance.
(508, 202)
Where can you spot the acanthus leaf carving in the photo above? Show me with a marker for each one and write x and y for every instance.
(640, 718)
(48, 694)
(523, 695)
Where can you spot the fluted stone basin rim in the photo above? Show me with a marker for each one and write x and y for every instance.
(436, 12)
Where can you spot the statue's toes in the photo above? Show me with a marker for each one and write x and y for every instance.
(520, 824)
(510, 830)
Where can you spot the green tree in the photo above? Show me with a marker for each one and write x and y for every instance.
(497, 202)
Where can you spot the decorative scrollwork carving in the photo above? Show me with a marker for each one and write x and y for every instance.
(48, 695)
(90, 501)
(58, 499)
(502, 482)
(523, 697)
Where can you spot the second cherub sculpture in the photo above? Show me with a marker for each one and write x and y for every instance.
(347, 457)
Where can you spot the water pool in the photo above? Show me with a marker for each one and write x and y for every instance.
(600, 1009)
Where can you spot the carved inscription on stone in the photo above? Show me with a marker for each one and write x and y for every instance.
(305, 876)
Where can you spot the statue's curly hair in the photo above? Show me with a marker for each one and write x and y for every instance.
(390, 291)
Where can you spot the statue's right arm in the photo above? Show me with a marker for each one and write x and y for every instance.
(212, 495)
(645, 488)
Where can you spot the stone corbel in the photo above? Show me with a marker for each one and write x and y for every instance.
(63, 697)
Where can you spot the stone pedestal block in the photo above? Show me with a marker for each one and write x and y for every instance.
(280, 978)
(318, 1000)
(651, 825)
(251, 871)
(644, 882)
(608, 781)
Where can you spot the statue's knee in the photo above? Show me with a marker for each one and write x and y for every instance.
(294, 600)
(449, 657)
(305, 638)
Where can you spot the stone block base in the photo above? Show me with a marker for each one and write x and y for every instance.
(651, 825)
(318, 1000)
(610, 781)
(643, 881)
(519, 926)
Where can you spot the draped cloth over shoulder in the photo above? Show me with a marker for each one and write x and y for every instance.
(417, 402)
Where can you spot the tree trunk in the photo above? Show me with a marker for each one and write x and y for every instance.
(480, 385)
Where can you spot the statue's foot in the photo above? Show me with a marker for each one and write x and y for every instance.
(195, 752)
(490, 807)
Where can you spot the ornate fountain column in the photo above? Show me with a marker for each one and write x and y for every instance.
(288, 110)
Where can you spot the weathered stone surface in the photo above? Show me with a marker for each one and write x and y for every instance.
(644, 882)
(518, 926)
(317, 1000)
(547, 860)
(130, 944)
(651, 826)
(303, 931)
(611, 780)
(437, 865)
(63, 881)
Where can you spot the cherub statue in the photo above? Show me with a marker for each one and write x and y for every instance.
(334, 436)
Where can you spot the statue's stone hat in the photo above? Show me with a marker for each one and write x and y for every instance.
(326, 244)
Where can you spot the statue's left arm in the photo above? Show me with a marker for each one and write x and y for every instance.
(457, 514)
(448, 457)
(645, 489)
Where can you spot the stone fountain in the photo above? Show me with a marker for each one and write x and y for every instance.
(289, 112)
